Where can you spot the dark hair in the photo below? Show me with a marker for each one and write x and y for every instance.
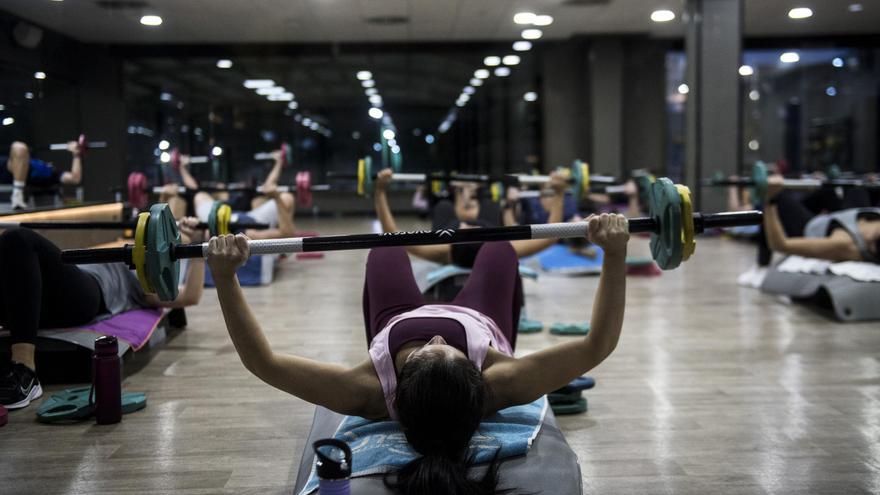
(440, 403)
(464, 255)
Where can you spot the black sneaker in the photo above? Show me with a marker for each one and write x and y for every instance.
(18, 386)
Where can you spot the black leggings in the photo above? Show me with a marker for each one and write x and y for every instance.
(38, 291)
(795, 211)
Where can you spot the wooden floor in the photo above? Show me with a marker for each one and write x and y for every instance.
(713, 389)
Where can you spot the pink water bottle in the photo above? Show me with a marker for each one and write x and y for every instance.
(107, 381)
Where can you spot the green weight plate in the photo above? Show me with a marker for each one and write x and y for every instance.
(759, 176)
(665, 209)
(396, 162)
(213, 228)
(834, 171)
(575, 408)
(287, 151)
(162, 233)
(643, 184)
(557, 398)
(368, 175)
(577, 180)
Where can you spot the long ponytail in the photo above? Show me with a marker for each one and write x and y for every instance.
(437, 474)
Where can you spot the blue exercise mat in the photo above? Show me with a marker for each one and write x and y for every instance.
(558, 258)
(250, 274)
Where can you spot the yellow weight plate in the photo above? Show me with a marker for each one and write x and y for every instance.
(496, 192)
(362, 166)
(139, 253)
(688, 240)
(585, 179)
(224, 216)
(436, 187)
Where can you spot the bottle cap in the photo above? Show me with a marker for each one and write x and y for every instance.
(332, 459)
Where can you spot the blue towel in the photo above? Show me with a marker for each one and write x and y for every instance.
(249, 274)
(380, 447)
(448, 271)
(558, 258)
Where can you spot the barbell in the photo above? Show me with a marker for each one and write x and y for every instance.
(582, 182)
(286, 155)
(760, 178)
(157, 249)
(221, 221)
(303, 188)
(83, 143)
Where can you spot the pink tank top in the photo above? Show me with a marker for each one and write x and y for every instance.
(480, 330)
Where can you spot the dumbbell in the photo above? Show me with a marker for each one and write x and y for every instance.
(175, 155)
(286, 155)
(157, 249)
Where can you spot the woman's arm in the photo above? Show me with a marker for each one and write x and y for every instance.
(285, 202)
(189, 181)
(518, 381)
(74, 177)
(347, 391)
(529, 247)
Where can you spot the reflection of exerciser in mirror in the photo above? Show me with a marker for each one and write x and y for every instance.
(28, 178)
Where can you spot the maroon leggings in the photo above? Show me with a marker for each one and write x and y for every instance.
(493, 288)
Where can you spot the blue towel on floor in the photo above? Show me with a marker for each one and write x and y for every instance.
(447, 271)
(249, 274)
(380, 447)
(558, 258)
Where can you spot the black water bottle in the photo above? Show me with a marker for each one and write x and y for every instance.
(107, 381)
(333, 464)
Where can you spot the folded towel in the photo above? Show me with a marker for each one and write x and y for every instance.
(381, 447)
(861, 271)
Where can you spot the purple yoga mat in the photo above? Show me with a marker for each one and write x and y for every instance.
(135, 326)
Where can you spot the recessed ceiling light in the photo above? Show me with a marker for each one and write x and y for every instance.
(837, 62)
(375, 100)
(831, 91)
(492, 60)
(216, 151)
(165, 157)
(524, 17)
(28, 95)
(683, 89)
(164, 144)
(800, 13)
(364, 75)
(429, 138)
(293, 105)
(388, 134)
(532, 34)
(468, 90)
(258, 83)
(8, 121)
(224, 63)
(543, 20)
(746, 70)
(856, 7)
(39, 75)
(522, 46)
(284, 96)
(369, 83)
(510, 60)
(371, 91)
(754, 145)
(754, 95)
(459, 103)
(530, 96)
(274, 90)
(376, 113)
(662, 15)
(789, 57)
(481, 74)
(502, 71)
(473, 82)
(151, 20)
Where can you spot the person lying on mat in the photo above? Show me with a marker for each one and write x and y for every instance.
(269, 206)
(38, 291)
(22, 170)
(437, 369)
(466, 215)
(850, 234)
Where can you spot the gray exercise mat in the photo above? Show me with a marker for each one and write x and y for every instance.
(549, 467)
(852, 300)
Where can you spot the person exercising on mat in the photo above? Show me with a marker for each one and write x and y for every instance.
(438, 369)
(38, 291)
(466, 213)
(22, 170)
(850, 232)
(269, 206)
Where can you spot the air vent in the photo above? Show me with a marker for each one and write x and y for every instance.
(387, 20)
(585, 3)
(121, 4)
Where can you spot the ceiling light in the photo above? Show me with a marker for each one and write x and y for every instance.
(459, 103)
(293, 105)
(392, 142)
(855, 7)
(683, 89)
(28, 95)
(8, 121)
(800, 13)
(216, 151)
(531, 34)
(502, 71)
(473, 82)
(524, 17)
(831, 91)
(754, 145)
(511, 60)
(364, 75)
(429, 139)
(151, 20)
(39, 75)
(314, 126)
(274, 90)
(746, 70)
(371, 91)
(375, 99)
(465, 98)
(369, 83)
(754, 95)
(165, 157)
(307, 122)
(281, 97)
(530, 96)
(837, 62)
(376, 113)
(164, 144)
(789, 57)
(395, 150)
(662, 15)
(258, 83)
(481, 74)
(522, 46)
(492, 60)
(543, 20)
(468, 90)
(224, 63)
